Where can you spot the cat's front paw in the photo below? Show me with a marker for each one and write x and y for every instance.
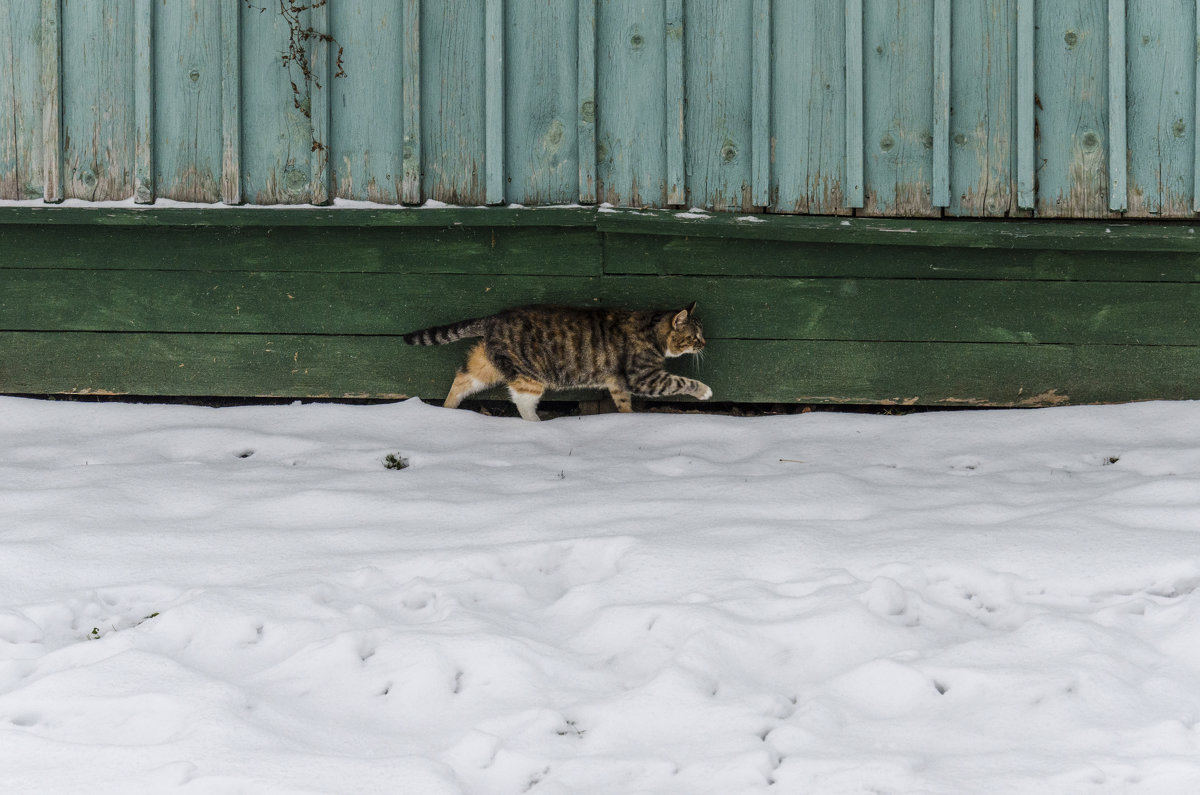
(701, 391)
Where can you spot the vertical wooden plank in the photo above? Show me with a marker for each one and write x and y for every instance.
(1161, 90)
(52, 111)
(586, 100)
(1026, 101)
(898, 107)
(411, 191)
(631, 150)
(675, 122)
(1116, 105)
(367, 127)
(982, 104)
(143, 101)
(453, 141)
(319, 88)
(718, 46)
(493, 76)
(1071, 97)
(231, 102)
(541, 115)
(98, 100)
(20, 101)
(941, 103)
(810, 125)
(276, 99)
(760, 105)
(855, 154)
(187, 78)
(1196, 116)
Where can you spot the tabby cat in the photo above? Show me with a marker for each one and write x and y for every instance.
(535, 348)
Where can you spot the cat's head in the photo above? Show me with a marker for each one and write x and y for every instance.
(684, 334)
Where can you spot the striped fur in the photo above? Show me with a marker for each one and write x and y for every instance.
(536, 348)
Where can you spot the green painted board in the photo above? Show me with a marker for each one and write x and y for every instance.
(772, 371)
(1071, 85)
(367, 146)
(20, 101)
(983, 91)
(901, 310)
(808, 105)
(490, 250)
(1161, 107)
(187, 100)
(97, 100)
(669, 255)
(631, 94)
(541, 155)
(452, 101)
(898, 107)
(717, 62)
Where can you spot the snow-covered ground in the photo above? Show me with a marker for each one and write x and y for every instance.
(245, 600)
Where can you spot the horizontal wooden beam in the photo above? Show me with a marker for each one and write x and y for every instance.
(368, 367)
(1062, 235)
(888, 310)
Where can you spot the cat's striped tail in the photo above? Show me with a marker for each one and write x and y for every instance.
(441, 335)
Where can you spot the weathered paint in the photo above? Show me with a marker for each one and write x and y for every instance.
(1162, 90)
(898, 107)
(188, 113)
(20, 110)
(982, 74)
(98, 129)
(808, 107)
(1071, 96)
(867, 107)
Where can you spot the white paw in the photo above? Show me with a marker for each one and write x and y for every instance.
(703, 392)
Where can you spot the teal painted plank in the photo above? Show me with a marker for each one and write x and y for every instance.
(453, 144)
(143, 101)
(411, 186)
(760, 105)
(52, 98)
(187, 77)
(855, 97)
(719, 48)
(493, 100)
(320, 54)
(367, 125)
(231, 103)
(941, 103)
(1071, 96)
(20, 100)
(676, 119)
(1026, 106)
(631, 76)
(1161, 118)
(898, 105)
(98, 100)
(1196, 117)
(1117, 184)
(809, 116)
(586, 100)
(276, 135)
(982, 94)
(542, 117)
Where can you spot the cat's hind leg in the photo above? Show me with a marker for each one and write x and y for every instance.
(525, 394)
(620, 394)
(477, 375)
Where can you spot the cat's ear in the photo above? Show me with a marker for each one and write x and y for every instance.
(681, 317)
